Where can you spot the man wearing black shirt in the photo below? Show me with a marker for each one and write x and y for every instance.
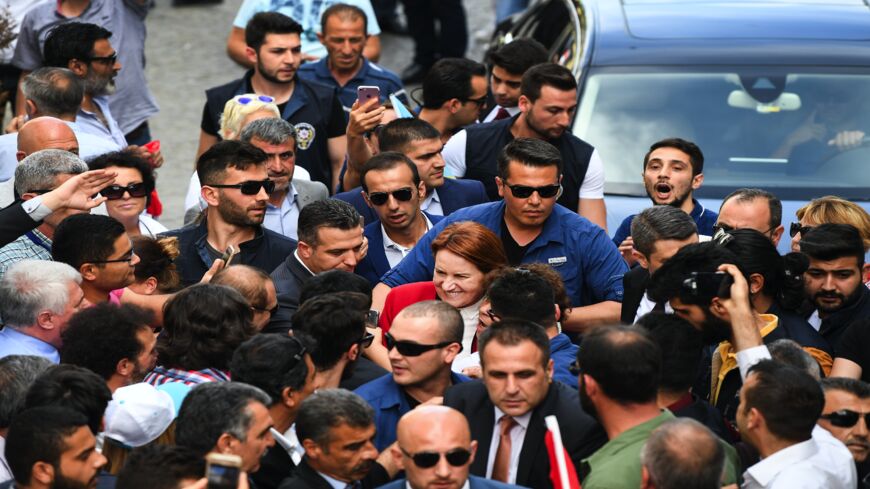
(274, 47)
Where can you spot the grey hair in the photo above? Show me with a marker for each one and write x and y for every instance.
(32, 286)
(659, 223)
(683, 454)
(17, 373)
(40, 169)
(272, 130)
(55, 91)
(750, 194)
(449, 319)
(857, 388)
(330, 408)
(790, 353)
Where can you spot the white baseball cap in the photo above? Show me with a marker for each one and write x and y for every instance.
(138, 414)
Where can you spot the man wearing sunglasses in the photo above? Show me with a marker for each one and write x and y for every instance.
(548, 99)
(847, 416)
(422, 343)
(436, 450)
(752, 208)
(533, 229)
(454, 90)
(236, 187)
(392, 187)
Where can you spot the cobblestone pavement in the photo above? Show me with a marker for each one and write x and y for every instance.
(186, 54)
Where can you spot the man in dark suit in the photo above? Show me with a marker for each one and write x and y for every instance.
(330, 238)
(336, 427)
(507, 410)
(435, 449)
(421, 142)
(391, 186)
(658, 233)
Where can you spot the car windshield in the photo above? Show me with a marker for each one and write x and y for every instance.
(800, 135)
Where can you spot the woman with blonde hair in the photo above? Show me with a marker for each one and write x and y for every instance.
(830, 210)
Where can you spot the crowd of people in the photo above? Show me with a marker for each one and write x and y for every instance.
(365, 295)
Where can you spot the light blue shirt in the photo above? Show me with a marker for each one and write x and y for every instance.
(283, 221)
(307, 13)
(14, 342)
(89, 122)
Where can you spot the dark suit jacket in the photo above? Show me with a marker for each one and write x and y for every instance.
(288, 278)
(275, 466)
(581, 434)
(307, 478)
(455, 194)
(634, 284)
(14, 222)
(375, 264)
(473, 482)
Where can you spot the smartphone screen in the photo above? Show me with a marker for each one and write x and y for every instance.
(222, 471)
(366, 93)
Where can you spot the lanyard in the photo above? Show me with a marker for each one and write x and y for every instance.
(37, 241)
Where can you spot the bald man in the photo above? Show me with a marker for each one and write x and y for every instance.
(682, 453)
(436, 450)
(256, 287)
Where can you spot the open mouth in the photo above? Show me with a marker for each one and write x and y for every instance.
(662, 190)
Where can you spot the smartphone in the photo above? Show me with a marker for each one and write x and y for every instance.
(228, 255)
(365, 93)
(222, 471)
(373, 317)
(709, 284)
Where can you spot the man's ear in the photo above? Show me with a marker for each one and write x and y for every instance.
(43, 472)
(77, 66)
(88, 271)
(453, 105)
(150, 285)
(499, 183)
(641, 259)
(366, 198)
(398, 456)
(124, 367)
(473, 449)
(697, 180)
(312, 449)
(756, 283)
(718, 309)
(287, 397)
(29, 107)
(20, 155)
(524, 104)
(44, 320)
(421, 188)
(557, 312)
(226, 444)
(251, 54)
(645, 482)
(353, 353)
(210, 195)
(305, 250)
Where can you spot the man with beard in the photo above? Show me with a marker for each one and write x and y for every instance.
(834, 285)
(236, 187)
(623, 397)
(847, 403)
(548, 99)
(690, 282)
(115, 342)
(51, 447)
(672, 170)
(274, 49)
(277, 138)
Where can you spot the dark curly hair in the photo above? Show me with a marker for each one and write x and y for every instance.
(126, 159)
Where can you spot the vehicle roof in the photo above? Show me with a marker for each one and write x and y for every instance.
(739, 32)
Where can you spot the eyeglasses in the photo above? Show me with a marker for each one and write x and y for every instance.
(128, 259)
(524, 191)
(797, 228)
(271, 311)
(425, 460)
(846, 418)
(402, 195)
(492, 316)
(366, 340)
(251, 187)
(411, 349)
(262, 98)
(478, 101)
(109, 60)
(115, 192)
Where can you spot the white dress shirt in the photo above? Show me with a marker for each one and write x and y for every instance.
(647, 305)
(518, 436)
(394, 251)
(432, 204)
(814, 320)
(290, 443)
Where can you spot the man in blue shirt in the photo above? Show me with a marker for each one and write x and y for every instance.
(34, 327)
(672, 170)
(345, 68)
(534, 229)
(422, 342)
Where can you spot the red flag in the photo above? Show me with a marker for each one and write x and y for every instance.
(562, 471)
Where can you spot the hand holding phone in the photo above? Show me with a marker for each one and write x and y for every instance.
(229, 254)
(222, 471)
(709, 284)
(365, 93)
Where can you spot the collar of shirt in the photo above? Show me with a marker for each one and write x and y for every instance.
(335, 483)
(521, 420)
(290, 443)
(11, 337)
(552, 231)
(814, 320)
(727, 357)
(93, 4)
(296, 254)
(697, 211)
(390, 244)
(512, 111)
(767, 469)
(635, 434)
(321, 68)
(431, 200)
(286, 204)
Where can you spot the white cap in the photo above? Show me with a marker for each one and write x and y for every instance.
(138, 414)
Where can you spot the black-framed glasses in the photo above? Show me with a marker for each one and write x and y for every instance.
(128, 260)
(846, 418)
(115, 192)
(477, 101)
(366, 340)
(456, 457)
(250, 187)
(402, 195)
(492, 316)
(797, 228)
(109, 60)
(524, 191)
(411, 349)
(262, 98)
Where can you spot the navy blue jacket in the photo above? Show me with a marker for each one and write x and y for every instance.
(704, 220)
(474, 482)
(455, 194)
(375, 264)
(390, 404)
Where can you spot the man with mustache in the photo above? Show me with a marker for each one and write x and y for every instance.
(277, 138)
(847, 403)
(672, 170)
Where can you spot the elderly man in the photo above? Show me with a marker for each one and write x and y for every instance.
(34, 321)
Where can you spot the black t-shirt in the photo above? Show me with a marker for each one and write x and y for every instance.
(411, 401)
(512, 249)
(855, 346)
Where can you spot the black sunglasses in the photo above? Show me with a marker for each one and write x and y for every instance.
(402, 195)
(251, 187)
(477, 101)
(366, 340)
(115, 192)
(109, 60)
(425, 460)
(410, 349)
(846, 418)
(797, 228)
(524, 191)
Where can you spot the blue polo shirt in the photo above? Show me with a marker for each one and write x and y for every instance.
(582, 253)
(369, 74)
(385, 396)
(704, 220)
(563, 353)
